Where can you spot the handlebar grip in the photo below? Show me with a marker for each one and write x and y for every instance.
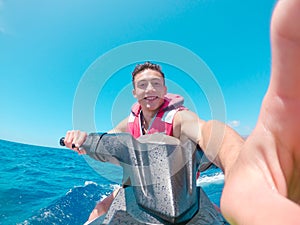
(62, 142)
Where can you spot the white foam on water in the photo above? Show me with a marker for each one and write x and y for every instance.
(216, 178)
(115, 186)
(86, 183)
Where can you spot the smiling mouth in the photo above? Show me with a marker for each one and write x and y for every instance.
(151, 98)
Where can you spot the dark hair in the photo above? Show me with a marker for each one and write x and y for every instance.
(147, 65)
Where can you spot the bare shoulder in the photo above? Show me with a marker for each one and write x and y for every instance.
(186, 116)
(189, 124)
(121, 127)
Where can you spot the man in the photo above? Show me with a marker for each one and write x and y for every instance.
(262, 183)
(157, 111)
(263, 186)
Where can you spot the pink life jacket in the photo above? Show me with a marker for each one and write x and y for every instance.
(162, 123)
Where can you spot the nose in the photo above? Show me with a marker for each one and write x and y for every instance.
(149, 87)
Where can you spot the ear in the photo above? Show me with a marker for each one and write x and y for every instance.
(134, 93)
(165, 89)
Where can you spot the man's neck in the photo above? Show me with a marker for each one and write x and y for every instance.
(149, 115)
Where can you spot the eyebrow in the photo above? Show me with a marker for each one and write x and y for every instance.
(153, 79)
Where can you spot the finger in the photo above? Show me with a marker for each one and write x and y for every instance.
(69, 139)
(79, 138)
(81, 151)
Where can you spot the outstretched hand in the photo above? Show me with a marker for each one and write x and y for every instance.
(263, 186)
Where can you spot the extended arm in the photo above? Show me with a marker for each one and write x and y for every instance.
(220, 143)
(75, 138)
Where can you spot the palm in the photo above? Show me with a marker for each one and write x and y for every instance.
(264, 183)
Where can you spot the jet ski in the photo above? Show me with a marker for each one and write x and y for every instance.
(159, 174)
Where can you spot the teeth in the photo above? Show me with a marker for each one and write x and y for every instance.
(150, 98)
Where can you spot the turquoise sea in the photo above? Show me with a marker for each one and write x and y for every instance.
(41, 185)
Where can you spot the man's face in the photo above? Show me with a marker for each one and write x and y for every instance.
(149, 89)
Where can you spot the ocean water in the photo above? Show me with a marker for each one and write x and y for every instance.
(41, 185)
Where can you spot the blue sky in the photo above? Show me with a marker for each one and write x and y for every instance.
(46, 47)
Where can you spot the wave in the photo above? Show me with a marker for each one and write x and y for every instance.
(212, 182)
(74, 207)
(216, 178)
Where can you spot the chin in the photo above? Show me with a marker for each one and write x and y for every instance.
(152, 106)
